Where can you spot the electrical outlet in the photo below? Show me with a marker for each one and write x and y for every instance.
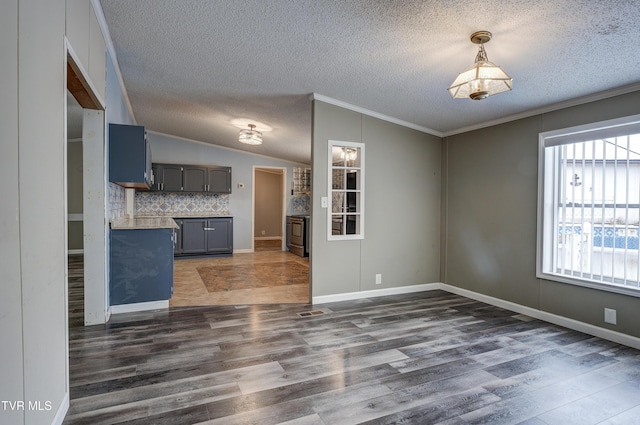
(610, 316)
(264, 232)
(378, 279)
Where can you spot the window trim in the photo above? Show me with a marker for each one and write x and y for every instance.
(545, 208)
(330, 190)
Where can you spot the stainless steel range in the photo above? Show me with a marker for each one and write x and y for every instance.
(298, 234)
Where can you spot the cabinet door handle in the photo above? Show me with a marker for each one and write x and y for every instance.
(209, 228)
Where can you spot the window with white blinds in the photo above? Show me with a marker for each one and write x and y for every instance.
(589, 204)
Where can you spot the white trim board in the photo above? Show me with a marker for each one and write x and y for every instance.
(374, 293)
(75, 251)
(130, 308)
(62, 410)
(576, 325)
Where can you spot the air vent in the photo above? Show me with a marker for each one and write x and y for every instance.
(311, 313)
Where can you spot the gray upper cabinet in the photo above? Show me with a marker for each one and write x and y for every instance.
(219, 179)
(168, 177)
(129, 156)
(192, 178)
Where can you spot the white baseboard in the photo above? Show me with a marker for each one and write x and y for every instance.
(75, 251)
(576, 325)
(374, 293)
(268, 238)
(130, 308)
(243, 251)
(62, 410)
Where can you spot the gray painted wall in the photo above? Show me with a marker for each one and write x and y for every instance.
(118, 111)
(491, 194)
(173, 150)
(402, 206)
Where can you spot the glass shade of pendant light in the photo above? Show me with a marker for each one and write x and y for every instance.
(483, 78)
(250, 136)
(349, 154)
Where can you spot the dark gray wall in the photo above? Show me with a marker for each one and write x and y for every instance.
(402, 206)
(490, 202)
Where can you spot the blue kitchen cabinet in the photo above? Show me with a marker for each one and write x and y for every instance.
(129, 156)
(141, 265)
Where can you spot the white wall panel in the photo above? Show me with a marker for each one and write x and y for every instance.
(77, 30)
(97, 56)
(41, 66)
(11, 366)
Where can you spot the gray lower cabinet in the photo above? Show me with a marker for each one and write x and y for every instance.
(205, 236)
(141, 265)
(219, 235)
(194, 238)
(177, 240)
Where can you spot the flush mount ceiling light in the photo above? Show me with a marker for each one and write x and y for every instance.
(250, 136)
(483, 78)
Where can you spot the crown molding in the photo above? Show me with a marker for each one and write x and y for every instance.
(345, 105)
(102, 22)
(549, 108)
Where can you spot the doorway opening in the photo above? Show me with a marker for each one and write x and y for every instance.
(269, 209)
(85, 200)
(266, 274)
(75, 225)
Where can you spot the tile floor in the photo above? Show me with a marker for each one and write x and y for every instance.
(190, 290)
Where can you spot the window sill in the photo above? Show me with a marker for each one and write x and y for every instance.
(592, 284)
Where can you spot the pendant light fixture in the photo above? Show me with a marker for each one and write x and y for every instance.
(483, 78)
(250, 136)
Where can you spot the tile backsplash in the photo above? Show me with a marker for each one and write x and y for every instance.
(117, 201)
(174, 204)
(301, 204)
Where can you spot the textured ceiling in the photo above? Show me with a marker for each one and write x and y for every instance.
(191, 67)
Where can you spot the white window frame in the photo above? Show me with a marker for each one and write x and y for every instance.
(359, 147)
(548, 194)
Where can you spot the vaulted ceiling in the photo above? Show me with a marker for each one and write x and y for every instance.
(192, 67)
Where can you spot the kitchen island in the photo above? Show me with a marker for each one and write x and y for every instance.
(141, 263)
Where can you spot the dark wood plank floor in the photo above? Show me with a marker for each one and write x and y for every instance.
(76, 290)
(426, 358)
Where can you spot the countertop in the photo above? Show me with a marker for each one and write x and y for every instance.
(126, 223)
